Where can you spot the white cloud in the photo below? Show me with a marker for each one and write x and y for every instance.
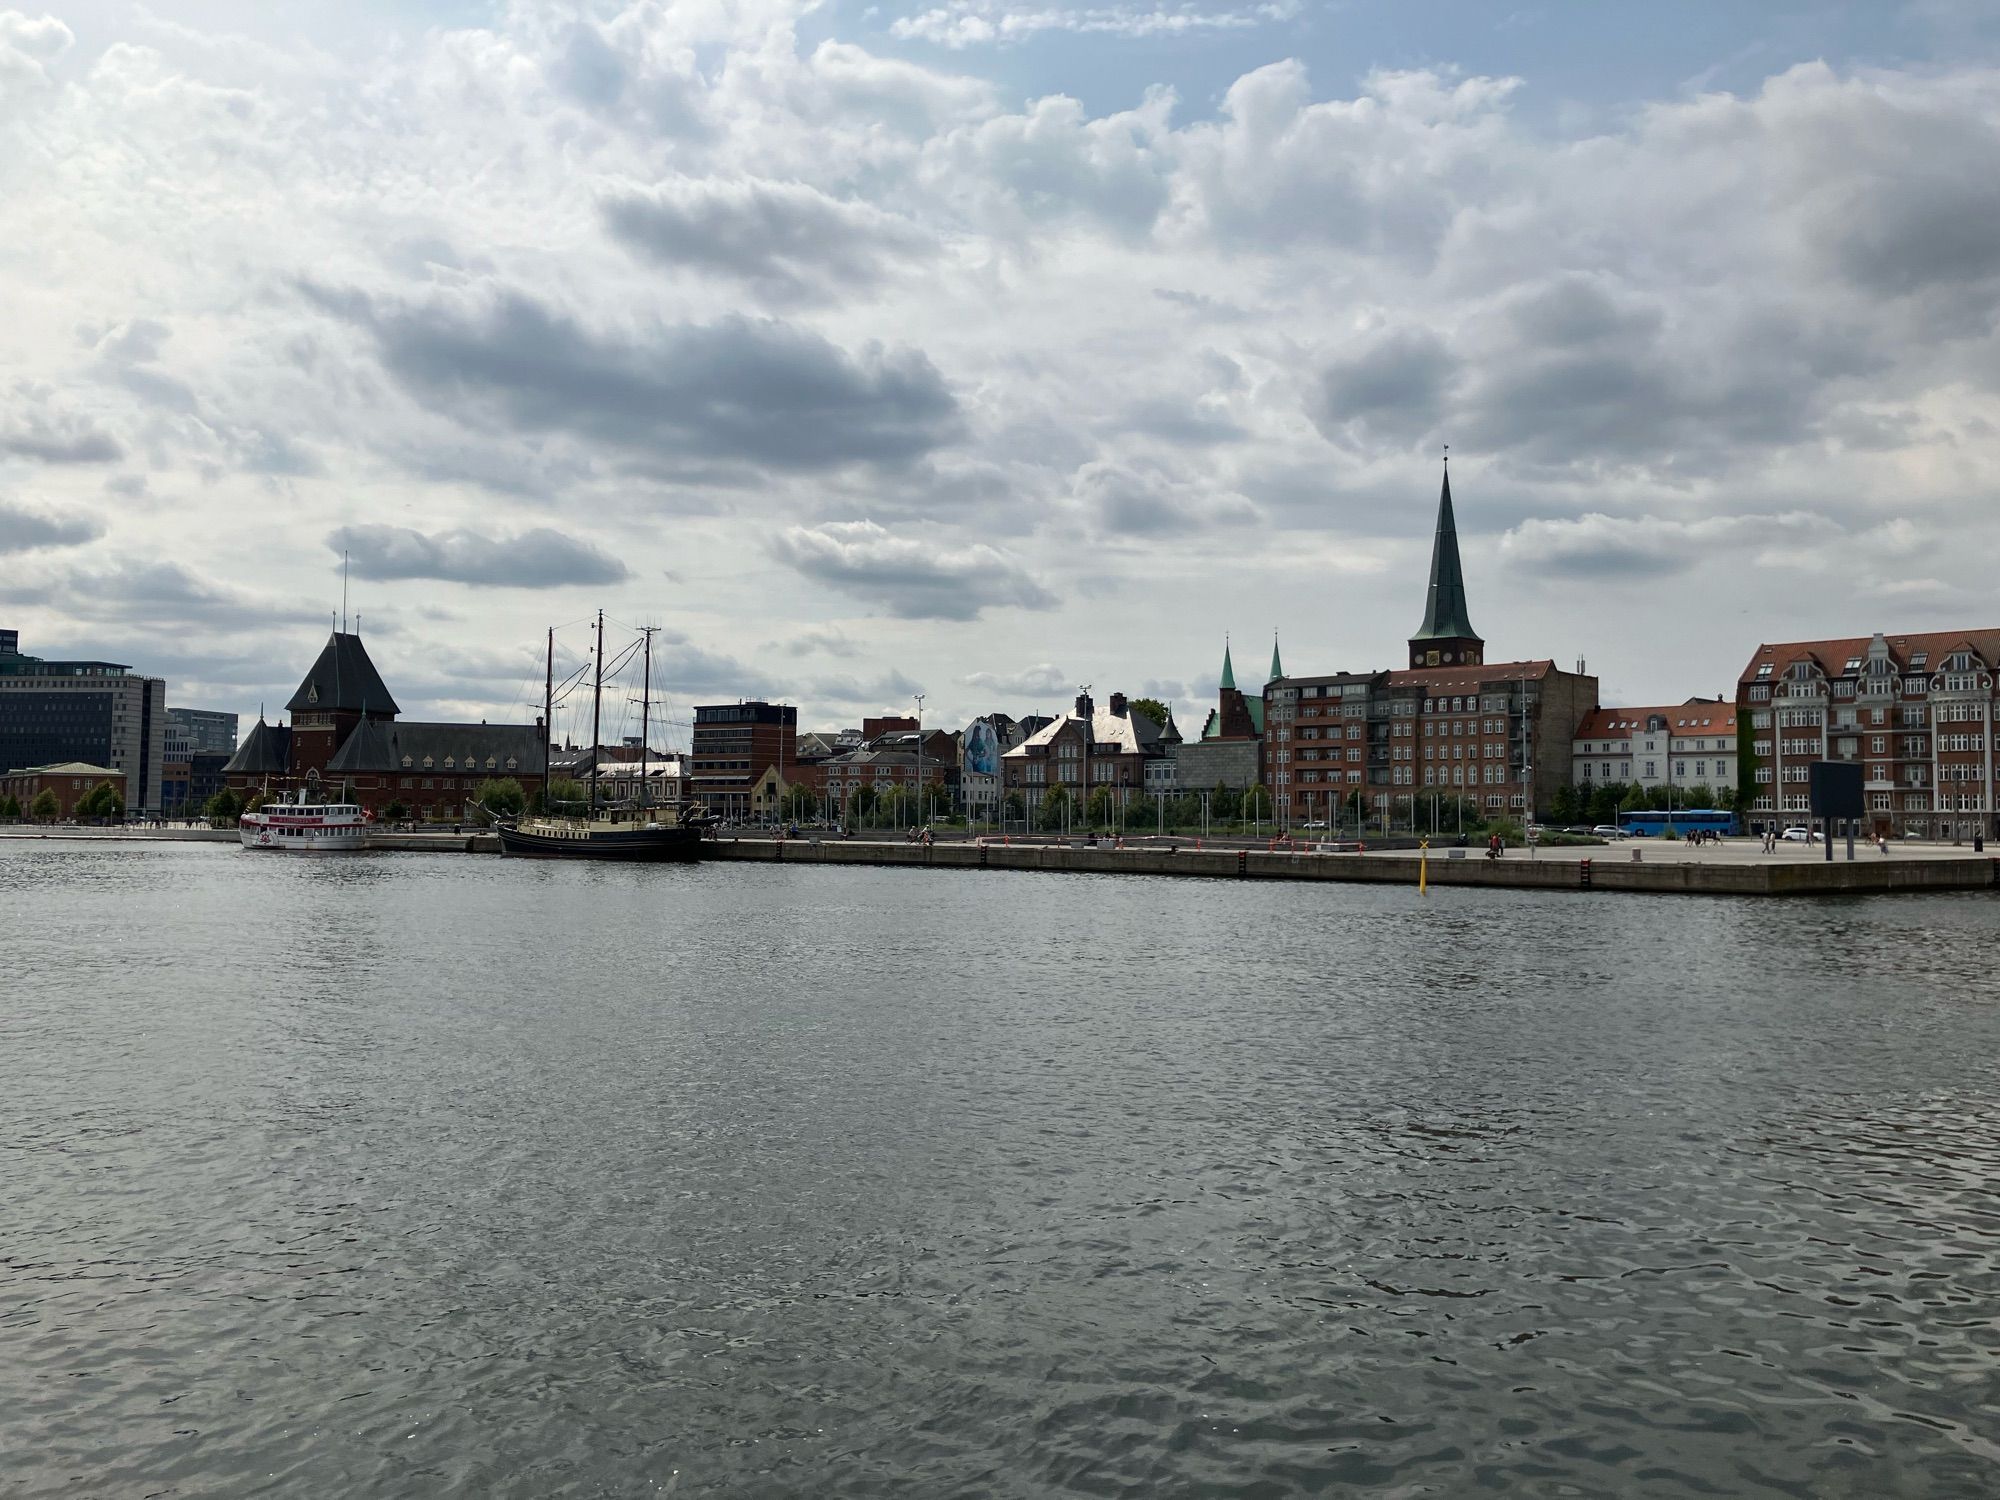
(973, 23)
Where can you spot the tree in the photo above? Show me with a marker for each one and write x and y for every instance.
(1055, 807)
(1700, 795)
(45, 807)
(1605, 802)
(223, 808)
(1257, 803)
(1153, 709)
(395, 812)
(1098, 811)
(1567, 806)
(1636, 799)
(799, 800)
(502, 798)
(563, 794)
(10, 809)
(1225, 804)
(1015, 806)
(101, 801)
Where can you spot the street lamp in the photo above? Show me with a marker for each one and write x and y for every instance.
(920, 756)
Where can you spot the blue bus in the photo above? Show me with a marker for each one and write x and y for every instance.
(1651, 824)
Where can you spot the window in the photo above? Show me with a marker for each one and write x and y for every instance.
(1651, 770)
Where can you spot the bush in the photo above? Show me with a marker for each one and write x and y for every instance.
(45, 807)
(395, 812)
(503, 798)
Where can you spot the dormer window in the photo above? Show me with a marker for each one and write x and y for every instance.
(406, 763)
(427, 763)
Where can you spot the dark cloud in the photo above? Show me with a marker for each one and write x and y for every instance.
(1391, 390)
(22, 530)
(62, 440)
(891, 689)
(746, 391)
(911, 578)
(537, 559)
(1128, 501)
(788, 241)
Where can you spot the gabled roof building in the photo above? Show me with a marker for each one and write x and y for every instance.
(345, 731)
(1915, 710)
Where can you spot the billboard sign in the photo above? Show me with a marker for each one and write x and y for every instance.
(981, 755)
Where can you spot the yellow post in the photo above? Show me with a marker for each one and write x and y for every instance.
(1424, 867)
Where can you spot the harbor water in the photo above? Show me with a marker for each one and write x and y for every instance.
(412, 1175)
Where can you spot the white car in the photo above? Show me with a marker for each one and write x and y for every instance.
(1607, 831)
(1798, 833)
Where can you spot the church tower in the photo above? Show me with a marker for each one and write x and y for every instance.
(1446, 638)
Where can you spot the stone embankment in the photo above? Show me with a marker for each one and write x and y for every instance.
(1617, 871)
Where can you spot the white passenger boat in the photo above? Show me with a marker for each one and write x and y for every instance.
(305, 827)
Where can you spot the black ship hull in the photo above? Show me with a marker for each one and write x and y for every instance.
(632, 845)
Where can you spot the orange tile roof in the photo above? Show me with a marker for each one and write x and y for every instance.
(1833, 655)
(1682, 718)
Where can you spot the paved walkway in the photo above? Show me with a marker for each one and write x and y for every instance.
(1728, 852)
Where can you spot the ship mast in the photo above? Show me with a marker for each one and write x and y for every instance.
(645, 718)
(596, 710)
(548, 717)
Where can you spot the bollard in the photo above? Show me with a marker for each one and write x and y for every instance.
(1638, 856)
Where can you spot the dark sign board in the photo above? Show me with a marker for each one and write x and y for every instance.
(1836, 789)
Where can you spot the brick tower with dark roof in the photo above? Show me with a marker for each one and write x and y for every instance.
(1446, 638)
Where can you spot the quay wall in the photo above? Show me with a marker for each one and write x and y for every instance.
(1515, 872)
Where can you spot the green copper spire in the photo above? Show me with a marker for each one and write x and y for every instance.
(1445, 617)
(1277, 667)
(1228, 671)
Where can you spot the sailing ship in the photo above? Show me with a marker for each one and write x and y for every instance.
(640, 831)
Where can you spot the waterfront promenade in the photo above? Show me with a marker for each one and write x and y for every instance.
(1737, 867)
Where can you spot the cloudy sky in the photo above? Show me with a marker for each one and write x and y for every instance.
(980, 348)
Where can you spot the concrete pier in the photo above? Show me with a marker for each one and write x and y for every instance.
(1609, 869)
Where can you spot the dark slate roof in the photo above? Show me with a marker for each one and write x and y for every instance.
(343, 678)
(266, 751)
(1445, 617)
(471, 749)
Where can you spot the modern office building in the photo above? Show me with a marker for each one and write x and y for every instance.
(733, 745)
(203, 731)
(99, 713)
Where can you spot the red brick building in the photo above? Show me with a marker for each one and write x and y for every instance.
(346, 732)
(734, 744)
(69, 782)
(1450, 726)
(1916, 711)
(1111, 747)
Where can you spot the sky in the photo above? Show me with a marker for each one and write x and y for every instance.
(983, 350)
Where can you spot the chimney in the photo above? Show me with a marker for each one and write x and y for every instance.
(1118, 704)
(1085, 709)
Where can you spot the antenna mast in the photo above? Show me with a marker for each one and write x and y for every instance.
(645, 718)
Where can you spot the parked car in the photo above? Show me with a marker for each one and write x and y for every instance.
(1608, 831)
(1798, 833)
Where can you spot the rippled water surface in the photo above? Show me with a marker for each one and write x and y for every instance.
(412, 1175)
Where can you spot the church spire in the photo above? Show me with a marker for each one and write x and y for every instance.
(1277, 666)
(1228, 671)
(1446, 637)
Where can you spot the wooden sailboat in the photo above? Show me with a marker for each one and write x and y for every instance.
(639, 832)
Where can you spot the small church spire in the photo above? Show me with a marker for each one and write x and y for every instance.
(1277, 666)
(1228, 670)
(1446, 637)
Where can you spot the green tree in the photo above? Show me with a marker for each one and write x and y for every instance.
(1605, 802)
(395, 812)
(1257, 803)
(1097, 812)
(45, 807)
(223, 808)
(1700, 795)
(1055, 808)
(1153, 709)
(502, 798)
(1636, 799)
(101, 801)
(1015, 806)
(10, 809)
(563, 795)
(1225, 804)
(1567, 806)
